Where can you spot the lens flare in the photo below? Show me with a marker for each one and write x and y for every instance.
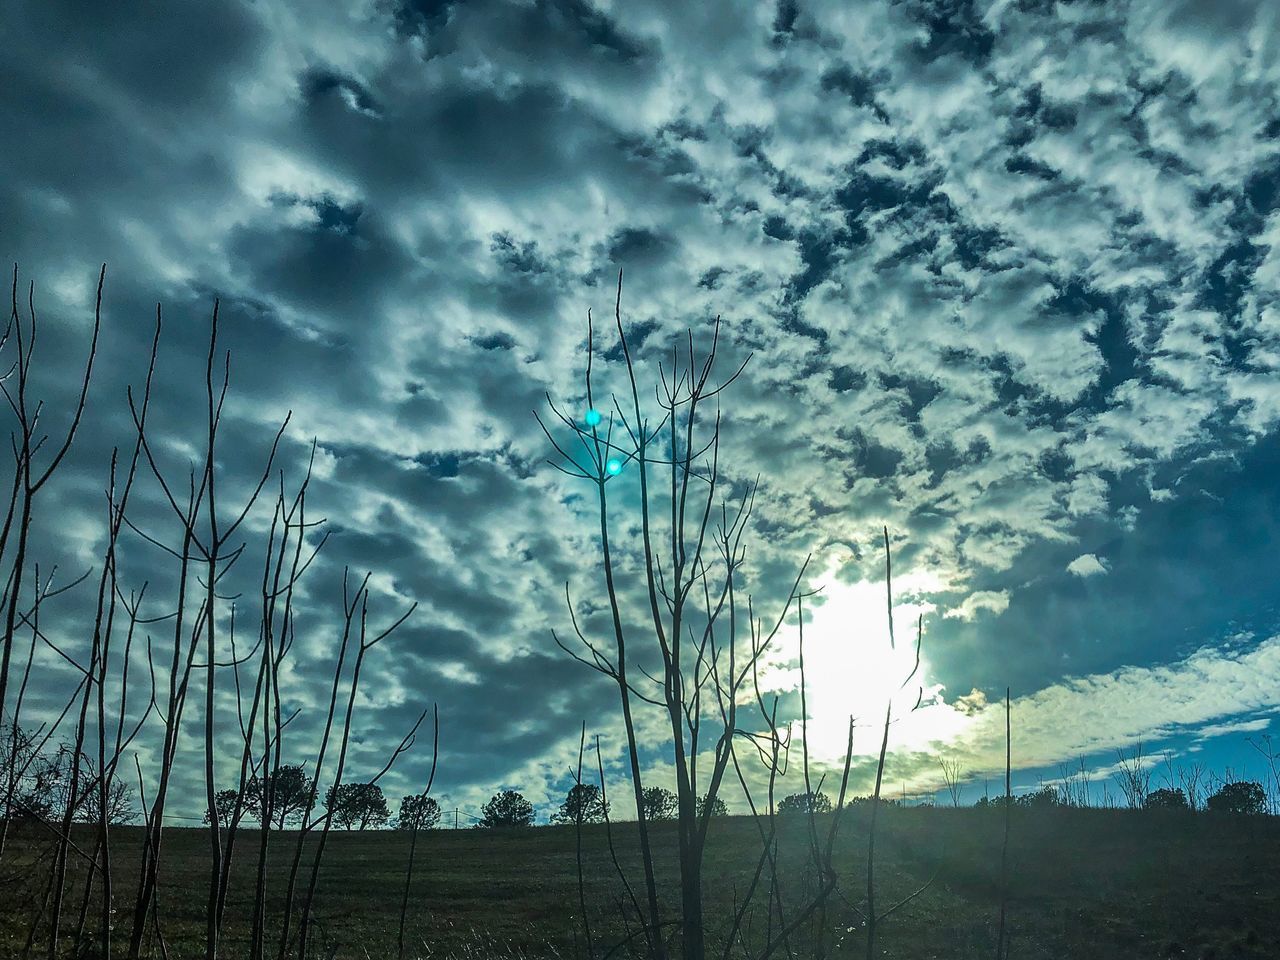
(614, 466)
(593, 418)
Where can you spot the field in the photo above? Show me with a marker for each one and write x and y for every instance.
(1084, 883)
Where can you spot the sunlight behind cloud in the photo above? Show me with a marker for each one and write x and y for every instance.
(852, 669)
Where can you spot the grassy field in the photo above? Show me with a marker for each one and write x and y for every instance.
(1085, 884)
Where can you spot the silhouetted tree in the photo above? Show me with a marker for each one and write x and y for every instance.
(34, 779)
(1167, 798)
(1038, 799)
(659, 803)
(287, 791)
(952, 774)
(716, 807)
(584, 804)
(119, 809)
(1241, 796)
(805, 803)
(359, 805)
(224, 802)
(418, 812)
(1133, 775)
(887, 802)
(507, 809)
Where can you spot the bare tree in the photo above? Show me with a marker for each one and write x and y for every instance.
(1133, 776)
(692, 550)
(205, 546)
(357, 630)
(691, 517)
(952, 778)
(1191, 778)
(1073, 784)
(1002, 944)
(419, 819)
(30, 478)
(1271, 757)
(55, 778)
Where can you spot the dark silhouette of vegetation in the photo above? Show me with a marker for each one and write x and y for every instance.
(688, 517)
(1239, 796)
(423, 813)
(804, 804)
(418, 812)
(1001, 939)
(357, 805)
(118, 798)
(135, 663)
(584, 804)
(228, 805)
(1133, 776)
(288, 789)
(506, 809)
(1167, 798)
(952, 778)
(1041, 798)
(712, 807)
(658, 803)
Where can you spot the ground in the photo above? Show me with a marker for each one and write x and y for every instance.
(1093, 884)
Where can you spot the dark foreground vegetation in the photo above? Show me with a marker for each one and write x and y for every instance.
(1085, 883)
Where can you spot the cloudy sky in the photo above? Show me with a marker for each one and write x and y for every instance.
(1006, 272)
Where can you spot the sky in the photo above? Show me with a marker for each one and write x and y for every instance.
(1006, 273)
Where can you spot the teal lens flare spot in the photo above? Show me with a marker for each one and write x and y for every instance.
(614, 466)
(593, 418)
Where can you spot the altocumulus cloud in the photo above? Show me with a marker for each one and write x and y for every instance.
(1008, 271)
(1087, 565)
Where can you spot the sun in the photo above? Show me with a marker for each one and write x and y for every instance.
(852, 668)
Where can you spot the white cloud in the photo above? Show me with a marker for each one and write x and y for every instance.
(1238, 726)
(1202, 695)
(1087, 565)
(1084, 715)
(994, 602)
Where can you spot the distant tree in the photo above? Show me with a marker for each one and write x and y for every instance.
(37, 783)
(1241, 796)
(584, 804)
(804, 803)
(418, 812)
(19, 752)
(718, 808)
(33, 783)
(507, 809)
(1038, 799)
(224, 803)
(659, 803)
(1133, 776)
(1192, 778)
(1167, 798)
(120, 807)
(952, 775)
(371, 806)
(288, 790)
(862, 801)
(358, 805)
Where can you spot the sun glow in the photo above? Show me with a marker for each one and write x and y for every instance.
(852, 669)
